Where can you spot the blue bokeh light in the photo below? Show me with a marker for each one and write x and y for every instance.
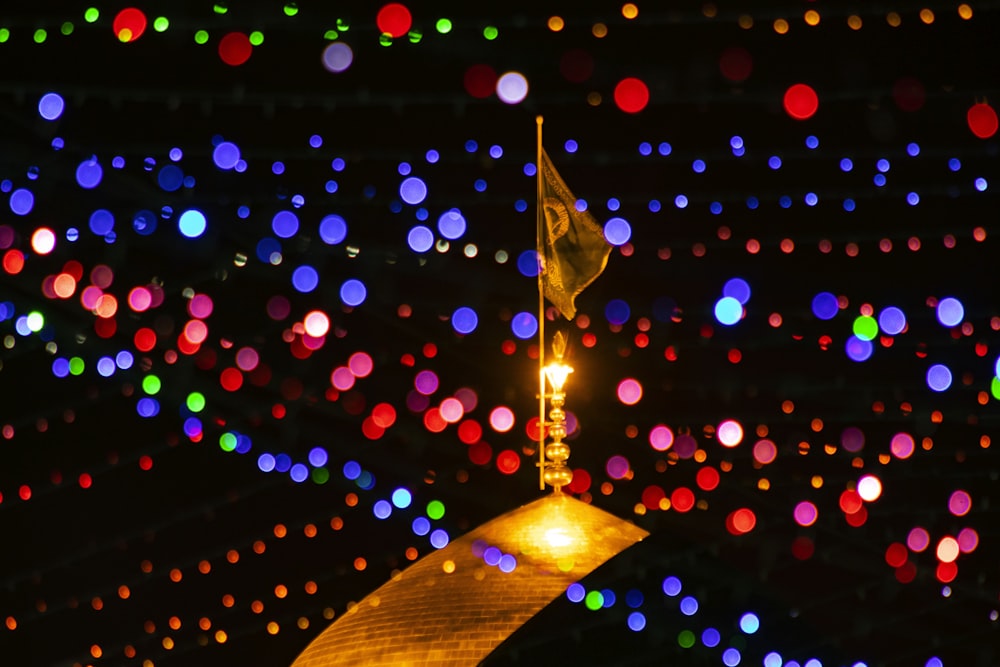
(617, 312)
(451, 224)
(575, 592)
(825, 306)
(728, 310)
(420, 239)
(285, 224)
(524, 325)
(402, 498)
(858, 349)
(22, 201)
(353, 292)
(636, 621)
(710, 637)
(939, 377)
(672, 586)
(225, 155)
(51, 106)
(749, 623)
(738, 289)
(689, 606)
(464, 320)
(382, 509)
(731, 657)
(413, 190)
(305, 279)
(332, 229)
(421, 526)
(192, 223)
(892, 320)
(617, 231)
(950, 311)
(527, 263)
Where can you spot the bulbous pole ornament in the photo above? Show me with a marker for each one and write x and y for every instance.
(557, 474)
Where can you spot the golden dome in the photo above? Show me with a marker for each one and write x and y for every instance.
(452, 608)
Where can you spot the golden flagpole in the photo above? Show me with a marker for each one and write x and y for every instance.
(539, 221)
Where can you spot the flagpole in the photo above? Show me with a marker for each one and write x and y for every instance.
(539, 217)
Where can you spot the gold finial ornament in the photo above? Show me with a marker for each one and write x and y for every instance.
(556, 473)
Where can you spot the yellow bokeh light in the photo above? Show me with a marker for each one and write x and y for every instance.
(629, 10)
(965, 11)
(812, 17)
(745, 21)
(709, 10)
(448, 566)
(273, 628)
(303, 623)
(893, 19)
(927, 16)
(781, 26)
(854, 22)
(763, 484)
(556, 23)
(594, 99)
(221, 636)
(600, 30)
(817, 481)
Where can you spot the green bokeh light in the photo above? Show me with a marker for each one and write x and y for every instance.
(490, 32)
(685, 639)
(66, 28)
(256, 38)
(443, 26)
(995, 388)
(41, 35)
(195, 401)
(415, 36)
(201, 37)
(151, 385)
(161, 23)
(76, 366)
(331, 35)
(320, 475)
(4, 35)
(35, 321)
(291, 9)
(435, 509)
(91, 15)
(385, 39)
(865, 327)
(227, 441)
(594, 600)
(343, 25)
(220, 8)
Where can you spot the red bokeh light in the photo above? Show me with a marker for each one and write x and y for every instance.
(652, 495)
(394, 19)
(129, 24)
(480, 81)
(707, 478)
(581, 481)
(231, 379)
(801, 101)
(682, 499)
(982, 119)
(235, 49)
(631, 95)
(896, 555)
(480, 453)
(508, 461)
(736, 64)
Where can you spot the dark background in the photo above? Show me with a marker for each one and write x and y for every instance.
(67, 550)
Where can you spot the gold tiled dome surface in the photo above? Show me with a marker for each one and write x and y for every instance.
(451, 608)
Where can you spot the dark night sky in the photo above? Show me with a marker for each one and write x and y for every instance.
(102, 508)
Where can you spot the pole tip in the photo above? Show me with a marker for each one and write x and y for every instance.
(538, 119)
